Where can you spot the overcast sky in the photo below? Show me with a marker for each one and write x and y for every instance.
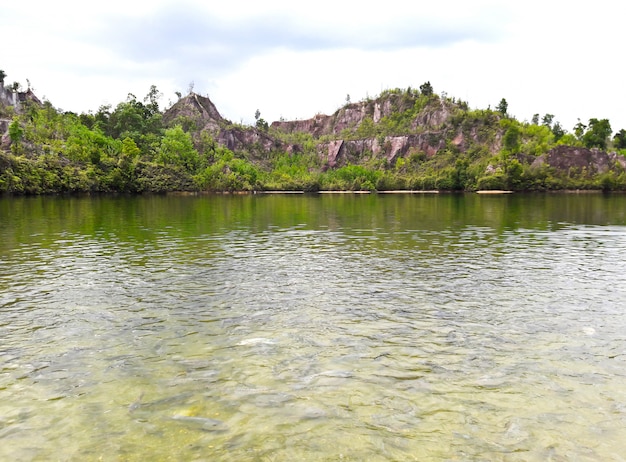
(295, 59)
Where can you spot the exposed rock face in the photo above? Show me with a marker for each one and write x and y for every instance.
(197, 109)
(347, 118)
(432, 117)
(5, 140)
(351, 116)
(317, 126)
(237, 139)
(17, 100)
(339, 152)
(434, 132)
(200, 111)
(566, 158)
(9, 97)
(334, 148)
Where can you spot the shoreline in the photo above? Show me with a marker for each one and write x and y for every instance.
(300, 192)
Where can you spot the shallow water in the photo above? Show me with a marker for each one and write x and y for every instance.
(313, 328)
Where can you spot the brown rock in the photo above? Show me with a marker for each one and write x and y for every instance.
(567, 158)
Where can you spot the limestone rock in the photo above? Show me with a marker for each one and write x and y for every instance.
(566, 158)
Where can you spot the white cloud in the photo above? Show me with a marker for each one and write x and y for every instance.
(294, 59)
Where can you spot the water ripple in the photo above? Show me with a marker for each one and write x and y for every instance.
(432, 344)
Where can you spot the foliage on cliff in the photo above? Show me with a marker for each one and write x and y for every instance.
(402, 139)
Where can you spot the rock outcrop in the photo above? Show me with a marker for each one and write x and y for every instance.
(252, 139)
(5, 140)
(579, 159)
(194, 111)
(435, 126)
(198, 114)
(17, 99)
(7, 97)
(339, 152)
(351, 116)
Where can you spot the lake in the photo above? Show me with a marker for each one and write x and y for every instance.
(313, 327)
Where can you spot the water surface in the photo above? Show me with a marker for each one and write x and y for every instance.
(349, 327)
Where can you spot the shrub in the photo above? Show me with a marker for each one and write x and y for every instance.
(492, 182)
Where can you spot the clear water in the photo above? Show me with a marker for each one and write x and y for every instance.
(279, 328)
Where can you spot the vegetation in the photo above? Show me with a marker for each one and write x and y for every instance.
(404, 139)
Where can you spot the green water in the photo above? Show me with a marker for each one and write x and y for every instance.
(331, 327)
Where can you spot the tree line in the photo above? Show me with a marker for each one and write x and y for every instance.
(128, 148)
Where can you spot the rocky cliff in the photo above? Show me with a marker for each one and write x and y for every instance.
(197, 114)
(194, 111)
(395, 125)
(350, 117)
(350, 135)
(390, 148)
(17, 99)
(581, 160)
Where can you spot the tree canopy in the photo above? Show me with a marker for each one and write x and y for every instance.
(597, 134)
(503, 107)
(426, 88)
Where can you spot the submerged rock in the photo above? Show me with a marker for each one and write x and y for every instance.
(201, 423)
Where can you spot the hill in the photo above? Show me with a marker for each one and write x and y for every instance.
(402, 139)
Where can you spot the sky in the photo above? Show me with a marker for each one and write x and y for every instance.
(293, 60)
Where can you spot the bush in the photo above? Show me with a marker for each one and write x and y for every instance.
(492, 182)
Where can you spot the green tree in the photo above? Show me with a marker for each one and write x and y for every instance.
(597, 134)
(511, 139)
(152, 101)
(367, 128)
(102, 119)
(176, 148)
(514, 172)
(127, 118)
(261, 124)
(557, 131)
(132, 118)
(426, 88)
(535, 119)
(2, 76)
(503, 107)
(129, 148)
(619, 140)
(547, 120)
(16, 133)
(579, 129)
(228, 173)
(537, 139)
(82, 145)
